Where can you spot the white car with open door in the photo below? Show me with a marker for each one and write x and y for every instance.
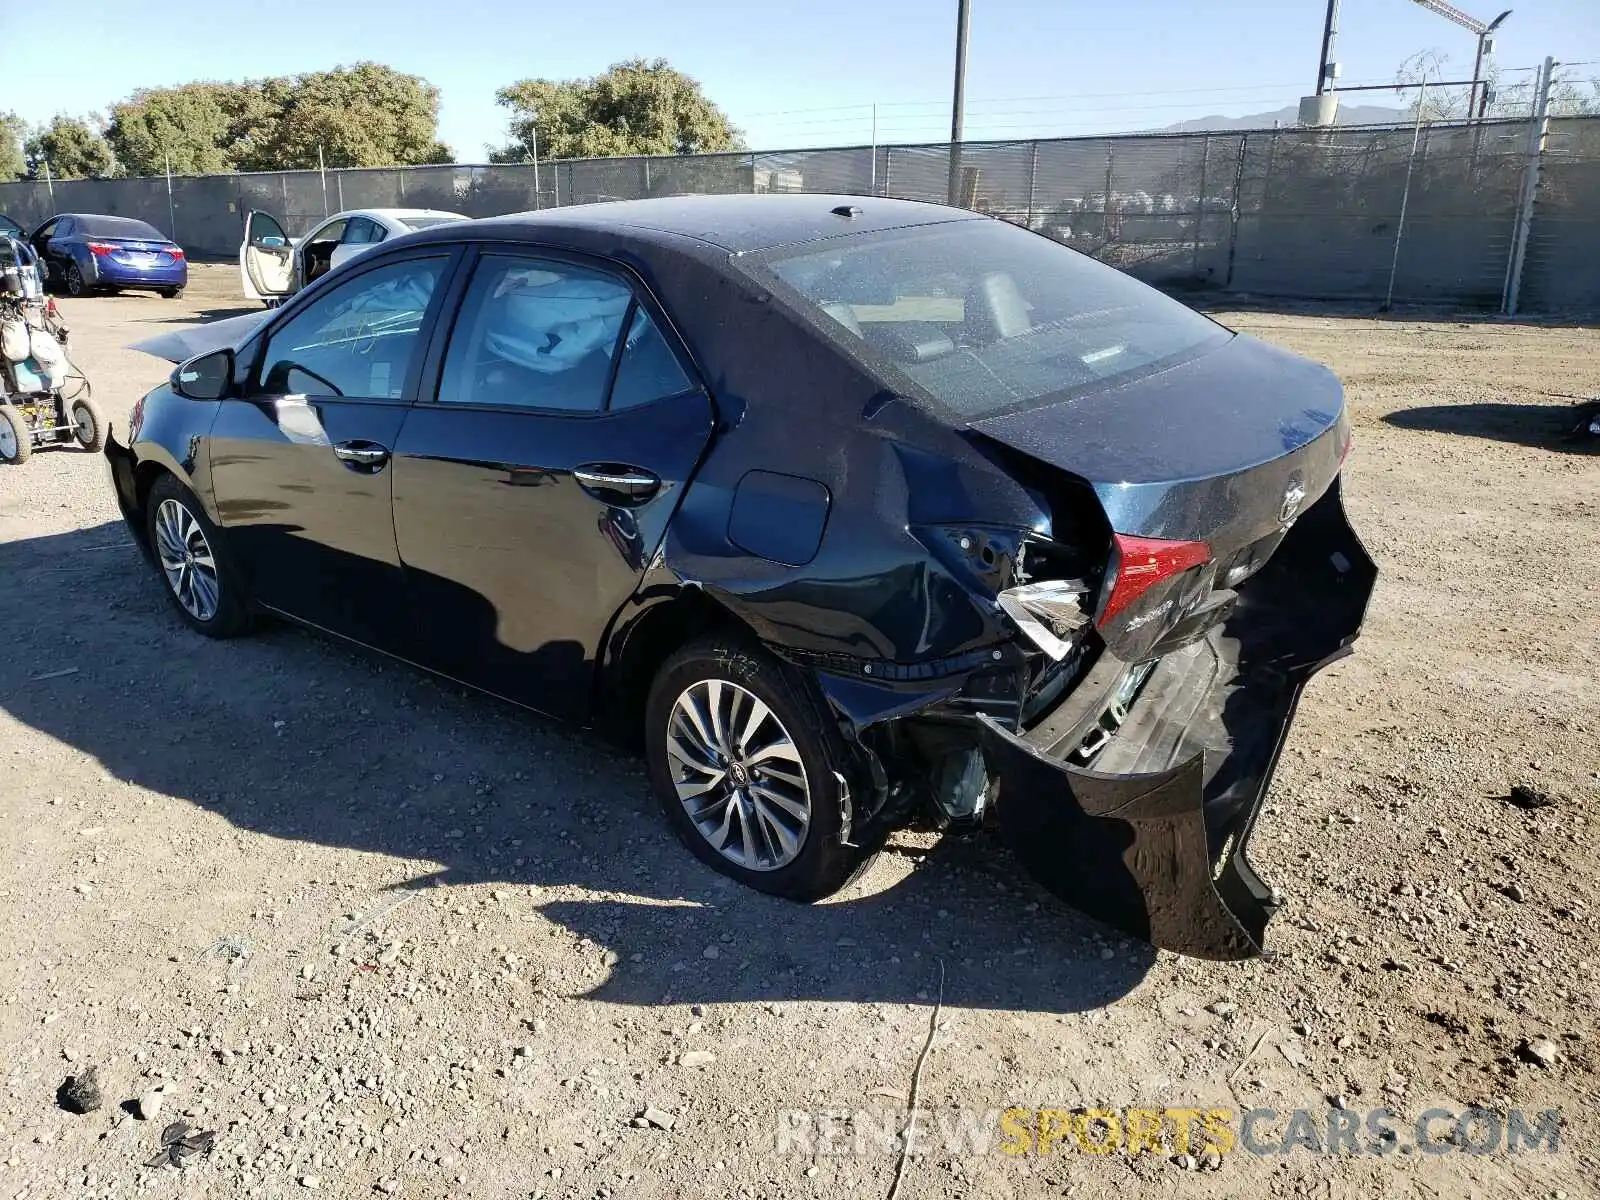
(273, 265)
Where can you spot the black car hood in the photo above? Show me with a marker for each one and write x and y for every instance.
(1207, 448)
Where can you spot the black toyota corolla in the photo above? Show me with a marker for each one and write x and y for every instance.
(852, 512)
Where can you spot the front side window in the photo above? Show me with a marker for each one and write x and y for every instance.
(265, 230)
(357, 340)
(984, 316)
(534, 333)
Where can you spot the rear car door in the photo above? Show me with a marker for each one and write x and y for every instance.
(300, 463)
(536, 475)
(266, 258)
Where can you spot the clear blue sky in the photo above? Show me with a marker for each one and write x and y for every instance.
(801, 74)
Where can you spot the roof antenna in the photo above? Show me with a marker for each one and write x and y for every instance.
(846, 210)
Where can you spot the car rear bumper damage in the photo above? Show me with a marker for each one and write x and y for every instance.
(1134, 797)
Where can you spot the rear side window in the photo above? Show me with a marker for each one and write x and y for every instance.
(118, 227)
(984, 316)
(535, 333)
(648, 370)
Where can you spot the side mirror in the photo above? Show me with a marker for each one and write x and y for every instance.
(205, 377)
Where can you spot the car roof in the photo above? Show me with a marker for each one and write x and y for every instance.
(402, 212)
(737, 223)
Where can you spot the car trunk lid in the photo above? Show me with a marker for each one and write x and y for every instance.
(1200, 469)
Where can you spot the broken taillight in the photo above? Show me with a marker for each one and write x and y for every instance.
(1138, 564)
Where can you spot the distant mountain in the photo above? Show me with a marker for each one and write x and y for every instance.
(1349, 114)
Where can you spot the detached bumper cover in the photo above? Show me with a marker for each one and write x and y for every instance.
(1153, 840)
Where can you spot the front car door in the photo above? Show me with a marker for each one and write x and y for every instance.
(300, 462)
(535, 478)
(266, 259)
(51, 257)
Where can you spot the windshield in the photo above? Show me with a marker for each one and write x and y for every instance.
(119, 227)
(427, 222)
(986, 316)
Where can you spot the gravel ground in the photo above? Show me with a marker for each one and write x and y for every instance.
(383, 936)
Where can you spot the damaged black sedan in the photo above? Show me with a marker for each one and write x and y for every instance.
(849, 510)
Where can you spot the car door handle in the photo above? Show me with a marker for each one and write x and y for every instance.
(358, 456)
(609, 482)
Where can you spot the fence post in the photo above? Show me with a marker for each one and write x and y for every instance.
(888, 177)
(172, 210)
(1233, 209)
(1033, 180)
(338, 184)
(1537, 130)
(1200, 213)
(1105, 211)
(1405, 198)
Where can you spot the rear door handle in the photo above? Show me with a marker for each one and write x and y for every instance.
(614, 483)
(362, 456)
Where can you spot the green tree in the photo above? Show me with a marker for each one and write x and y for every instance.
(367, 115)
(636, 107)
(13, 164)
(188, 127)
(72, 147)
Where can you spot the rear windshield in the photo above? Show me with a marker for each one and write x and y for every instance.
(119, 227)
(427, 222)
(987, 317)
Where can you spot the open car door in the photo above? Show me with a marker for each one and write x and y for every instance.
(266, 259)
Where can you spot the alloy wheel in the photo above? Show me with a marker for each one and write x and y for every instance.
(8, 441)
(187, 560)
(739, 775)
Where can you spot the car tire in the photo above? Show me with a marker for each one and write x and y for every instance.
(192, 562)
(795, 739)
(88, 424)
(171, 293)
(16, 439)
(75, 281)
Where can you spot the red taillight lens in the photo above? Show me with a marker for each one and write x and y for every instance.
(1141, 563)
(175, 251)
(101, 248)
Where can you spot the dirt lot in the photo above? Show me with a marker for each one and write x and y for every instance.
(387, 937)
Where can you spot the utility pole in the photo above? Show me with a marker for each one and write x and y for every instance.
(958, 100)
(1475, 106)
(1330, 28)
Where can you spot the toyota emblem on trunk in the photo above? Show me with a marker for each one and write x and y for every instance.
(1292, 496)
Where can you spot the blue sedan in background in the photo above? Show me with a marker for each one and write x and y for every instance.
(84, 251)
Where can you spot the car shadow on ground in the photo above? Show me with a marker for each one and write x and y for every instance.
(1546, 426)
(298, 736)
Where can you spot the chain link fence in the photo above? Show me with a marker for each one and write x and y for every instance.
(1427, 214)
